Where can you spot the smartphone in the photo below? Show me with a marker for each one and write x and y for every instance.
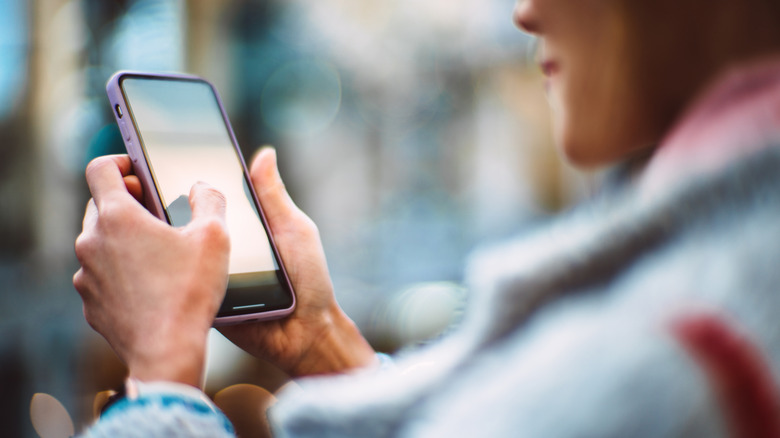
(177, 133)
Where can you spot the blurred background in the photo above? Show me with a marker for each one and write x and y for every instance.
(411, 131)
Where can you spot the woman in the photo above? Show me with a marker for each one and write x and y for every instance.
(624, 318)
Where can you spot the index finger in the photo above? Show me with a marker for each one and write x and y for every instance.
(105, 176)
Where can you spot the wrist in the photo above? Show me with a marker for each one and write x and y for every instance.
(176, 357)
(340, 348)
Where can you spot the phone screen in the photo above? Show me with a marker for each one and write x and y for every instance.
(186, 138)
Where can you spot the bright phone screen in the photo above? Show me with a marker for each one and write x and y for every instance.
(185, 139)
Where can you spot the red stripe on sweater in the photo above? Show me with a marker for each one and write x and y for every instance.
(737, 371)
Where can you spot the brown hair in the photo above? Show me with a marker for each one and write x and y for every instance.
(697, 40)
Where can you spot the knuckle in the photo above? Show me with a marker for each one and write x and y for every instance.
(97, 164)
(78, 281)
(81, 281)
(83, 247)
(279, 186)
(215, 232)
(311, 227)
(111, 214)
(274, 189)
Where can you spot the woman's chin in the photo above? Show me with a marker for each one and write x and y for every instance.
(578, 149)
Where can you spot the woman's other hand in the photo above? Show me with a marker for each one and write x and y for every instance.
(318, 338)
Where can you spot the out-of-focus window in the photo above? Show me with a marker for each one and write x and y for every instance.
(149, 36)
(13, 54)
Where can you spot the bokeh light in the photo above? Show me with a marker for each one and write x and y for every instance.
(301, 98)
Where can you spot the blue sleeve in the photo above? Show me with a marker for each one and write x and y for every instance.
(161, 415)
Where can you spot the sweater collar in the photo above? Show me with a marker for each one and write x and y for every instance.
(736, 116)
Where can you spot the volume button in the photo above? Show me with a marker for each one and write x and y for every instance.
(125, 131)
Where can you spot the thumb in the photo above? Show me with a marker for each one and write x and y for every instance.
(206, 202)
(278, 207)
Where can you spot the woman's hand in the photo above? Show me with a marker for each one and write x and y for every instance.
(150, 289)
(318, 337)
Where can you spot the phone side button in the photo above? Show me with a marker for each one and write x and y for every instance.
(132, 156)
(123, 128)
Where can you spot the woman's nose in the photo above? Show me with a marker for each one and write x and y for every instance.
(525, 17)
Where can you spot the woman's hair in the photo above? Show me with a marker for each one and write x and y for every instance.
(696, 40)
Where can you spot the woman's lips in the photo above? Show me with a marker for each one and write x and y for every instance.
(549, 68)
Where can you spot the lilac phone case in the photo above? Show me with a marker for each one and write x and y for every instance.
(151, 197)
